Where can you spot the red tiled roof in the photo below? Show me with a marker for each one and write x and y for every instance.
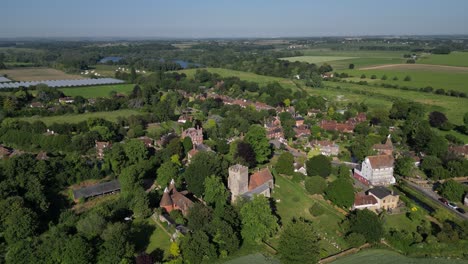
(362, 199)
(381, 161)
(259, 178)
(166, 199)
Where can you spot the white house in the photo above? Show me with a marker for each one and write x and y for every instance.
(376, 170)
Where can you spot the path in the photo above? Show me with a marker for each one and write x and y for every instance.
(153, 217)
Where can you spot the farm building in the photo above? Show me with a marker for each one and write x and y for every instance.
(97, 190)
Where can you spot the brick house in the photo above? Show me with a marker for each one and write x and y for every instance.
(195, 134)
(175, 200)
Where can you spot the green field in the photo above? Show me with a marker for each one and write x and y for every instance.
(76, 118)
(98, 91)
(158, 240)
(382, 256)
(316, 59)
(247, 76)
(453, 59)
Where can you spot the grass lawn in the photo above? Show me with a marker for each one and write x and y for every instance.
(400, 222)
(98, 91)
(76, 118)
(158, 240)
(262, 80)
(294, 202)
(256, 258)
(382, 256)
(453, 59)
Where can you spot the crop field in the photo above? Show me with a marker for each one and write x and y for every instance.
(247, 76)
(37, 74)
(453, 59)
(76, 118)
(98, 91)
(383, 256)
(445, 77)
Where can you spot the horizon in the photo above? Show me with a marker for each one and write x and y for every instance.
(213, 20)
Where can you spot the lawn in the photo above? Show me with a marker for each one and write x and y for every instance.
(76, 118)
(97, 91)
(37, 74)
(382, 256)
(421, 76)
(453, 59)
(159, 240)
(262, 80)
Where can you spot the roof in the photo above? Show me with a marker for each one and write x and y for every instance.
(260, 189)
(181, 201)
(97, 189)
(380, 161)
(192, 152)
(380, 192)
(259, 178)
(388, 145)
(166, 199)
(362, 199)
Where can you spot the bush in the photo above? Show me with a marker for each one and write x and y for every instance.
(316, 210)
(351, 66)
(395, 78)
(373, 77)
(315, 185)
(407, 78)
(363, 76)
(411, 61)
(384, 77)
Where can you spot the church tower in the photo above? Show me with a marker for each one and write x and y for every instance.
(238, 181)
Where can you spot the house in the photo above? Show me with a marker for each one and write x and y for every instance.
(326, 147)
(365, 201)
(66, 100)
(101, 146)
(185, 118)
(301, 131)
(195, 134)
(4, 152)
(36, 105)
(299, 121)
(327, 75)
(175, 200)
(42, 156)
(191, 154)
(384, 149)
(332, 125)
(461, 151)
(274, 129)
(149, 142)
(386, 199)
(301, 168)
(239, 183)
(97, 190)
(313, 112)
(376, 170)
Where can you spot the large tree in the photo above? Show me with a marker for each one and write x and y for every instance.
(318, 166)
(315, 185)
(366, 223)
(77, 250)
(285, 164)
(166, 172)
(256, 137)
(116, 248)
(201, 166)
(404, 166)
(258, 222)
(299, 243)
(196, 247)
(341, 193)
(437, 119)
(215, 192)
(453, 190)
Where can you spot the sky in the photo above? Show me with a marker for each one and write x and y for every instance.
(235, 18)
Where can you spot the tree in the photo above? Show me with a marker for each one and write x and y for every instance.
(404, 166)
(199, 217)
(318, 166)
(201, 166)
(351, 66)
(366, 223)
(140, 204)
(196, 248)
(20, 224)
(299, 243)
(315, 185)
(363, 76)
(91, 225)
(166, 172)
(116, 248)
(437, 119)
(453, 190)
(215, 192)
(407, 78)
(135, 151)
(360, 148)
(285, 163)
(77, 250)
(258, 222)
(341, 193)
(256, 137)
(187, 144)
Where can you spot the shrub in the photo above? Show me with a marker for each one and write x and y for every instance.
(315, 185)
(407, 78)
(316, 210)
(410, 61)
(351, 66)
(363, 76)
(384, 77)
(373, 77)
(395, 78)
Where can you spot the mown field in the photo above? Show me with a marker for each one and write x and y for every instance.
(452, 59)
(247, 76)
(37, 74)
(98, 91)
(76, 118)
(382, 256)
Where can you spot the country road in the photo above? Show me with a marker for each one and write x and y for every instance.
(434, 197)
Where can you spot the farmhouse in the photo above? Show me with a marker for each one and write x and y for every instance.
(376, 170)
(175, 200)
(261, 182)
(195, 134)
(97, 190)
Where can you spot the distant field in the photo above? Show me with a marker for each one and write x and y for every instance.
(452, 59)
(76, 118)
(247, 76)
(316, 59)
(98, 91)
(382, 256)
(37, 74)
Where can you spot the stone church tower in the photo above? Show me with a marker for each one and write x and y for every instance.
(238, 181)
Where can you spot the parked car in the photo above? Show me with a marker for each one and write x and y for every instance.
(453, 205)
(460, 210)
(444, 201)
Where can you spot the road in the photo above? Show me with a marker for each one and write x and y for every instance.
(434, 197)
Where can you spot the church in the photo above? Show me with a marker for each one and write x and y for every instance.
(241, 185)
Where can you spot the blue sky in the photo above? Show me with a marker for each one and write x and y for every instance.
(235, 18)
